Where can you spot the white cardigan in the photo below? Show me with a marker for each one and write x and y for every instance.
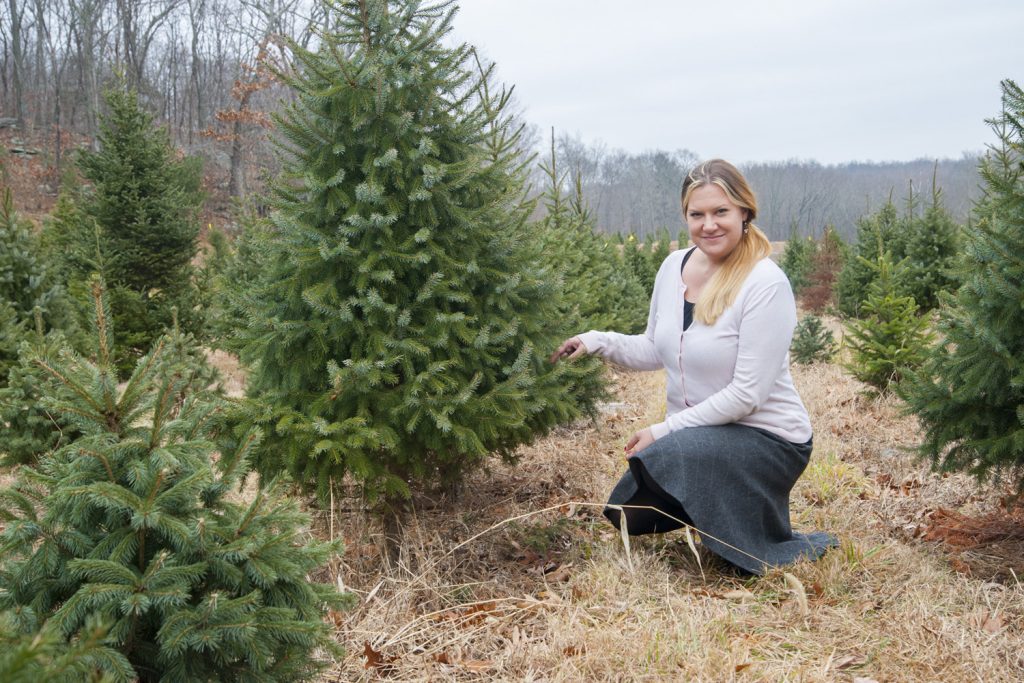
(736, 370)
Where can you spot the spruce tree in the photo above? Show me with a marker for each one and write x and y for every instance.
(797, 260)
(885, 226)
(27, 285)
(133, 523)
(600, 293)
(890, 340)
(969, 396)
(400, 330)
(827, 262)
(931, 246)
(812, 341)
(43, 655)
(135, 222)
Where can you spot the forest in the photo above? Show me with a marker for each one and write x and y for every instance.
(280, 281)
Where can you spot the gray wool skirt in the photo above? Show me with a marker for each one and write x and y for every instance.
(731, 483)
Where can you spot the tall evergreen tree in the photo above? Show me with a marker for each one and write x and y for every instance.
(133, 522)
(401, 329)
(827, 262)
(137, 219)
(969, 396)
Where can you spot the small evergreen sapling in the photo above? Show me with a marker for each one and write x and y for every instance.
(890, 339)
(812, 341)
(132, 523)
(796, 260)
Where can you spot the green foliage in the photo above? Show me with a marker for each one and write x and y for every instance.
(399, 331)
(29, 429)
(35, 655)
(797, 260)
(890, 340)
(931, 247)
(26, 285)
(885, 227)
(132, 522)
(969, 396)
(812, 341)
(927, 244)
(600, 292)
(135, 223)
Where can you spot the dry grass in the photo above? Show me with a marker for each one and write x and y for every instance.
(521, 578)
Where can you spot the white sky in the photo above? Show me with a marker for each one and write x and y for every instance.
(749, 80)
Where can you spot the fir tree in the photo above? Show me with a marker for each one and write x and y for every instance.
(890, 339)
(399, 334)
(797, 260)
(812, 341)
(137, 218)
(132, 523)
(969, 396)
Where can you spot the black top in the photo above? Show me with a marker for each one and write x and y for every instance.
(687, 305)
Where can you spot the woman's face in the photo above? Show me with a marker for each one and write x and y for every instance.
(715, 222)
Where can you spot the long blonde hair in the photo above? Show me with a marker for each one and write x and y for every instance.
(721, 290)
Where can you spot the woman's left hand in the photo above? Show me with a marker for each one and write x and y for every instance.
(638, 442)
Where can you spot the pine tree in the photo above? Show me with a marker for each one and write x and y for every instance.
(399, 333)
(137, 220)
(931, 246)
(812, 341)
(797, 260)
(969, 396)
(600, 292)
(132, 523)
(26, 285)
(890, 339)
(885, 226)
(28, 429)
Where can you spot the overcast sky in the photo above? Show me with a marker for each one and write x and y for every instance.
(758, 80)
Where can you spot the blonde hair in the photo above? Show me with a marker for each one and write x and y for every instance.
(721, 290)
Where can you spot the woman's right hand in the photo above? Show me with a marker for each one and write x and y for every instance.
(570, 348)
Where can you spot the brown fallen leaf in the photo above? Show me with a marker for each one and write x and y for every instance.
(377, 661)
(741, 667)
(989, 622)
(848, 661)
(574, 650)
(441, 658)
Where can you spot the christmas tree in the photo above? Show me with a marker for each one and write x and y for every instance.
(885, 227)
(600, 292)
(797, 260)
(400, 330)
(134, 223)
(133, 523)
(969, 396)
(890, 339)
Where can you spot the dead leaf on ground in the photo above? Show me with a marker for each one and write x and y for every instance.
(377, 661)
(741, 667)
(739, 595)
(989, 622)
(848, 661)
(574, 650)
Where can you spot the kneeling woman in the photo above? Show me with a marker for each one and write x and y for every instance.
(737, 436)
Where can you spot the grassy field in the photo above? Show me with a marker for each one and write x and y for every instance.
(521, 579)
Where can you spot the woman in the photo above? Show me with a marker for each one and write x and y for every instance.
(737, 436)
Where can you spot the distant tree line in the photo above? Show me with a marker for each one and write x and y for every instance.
(207, 70)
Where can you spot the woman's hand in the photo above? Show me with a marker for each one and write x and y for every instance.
(571, 348)
(638, 442)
